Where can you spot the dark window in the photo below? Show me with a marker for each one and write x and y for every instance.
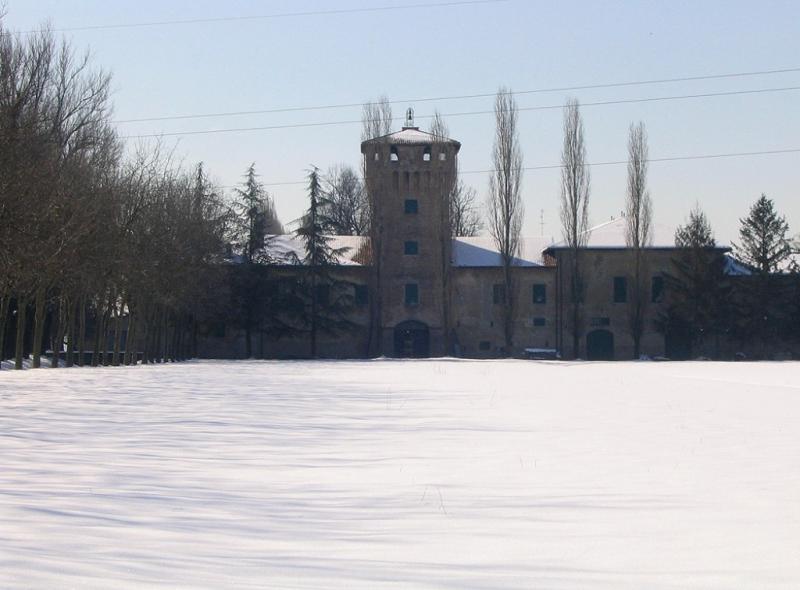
(393, 154)
(485, 345)
(412, 206)
(539, 322)
(657, 289)
(362, 295)
(499, 294)
(323, 294)
(411, 248)
(412, 294)
(540, 293)
(600, 322)
(620, 289)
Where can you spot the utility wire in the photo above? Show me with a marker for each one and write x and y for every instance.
(606, 163)
(467, 96)
(331, 12)
(468, 113)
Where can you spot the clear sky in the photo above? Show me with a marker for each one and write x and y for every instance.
(459, 50)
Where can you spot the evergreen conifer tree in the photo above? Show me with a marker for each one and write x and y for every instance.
(263, 304)
(764, 242)
(698, 292)
(764, 300)
(328, 298)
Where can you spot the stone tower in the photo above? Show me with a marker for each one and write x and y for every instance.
(409, 175)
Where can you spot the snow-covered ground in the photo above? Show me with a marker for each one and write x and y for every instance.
(393, 474)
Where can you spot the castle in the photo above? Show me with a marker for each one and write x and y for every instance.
(417, 292)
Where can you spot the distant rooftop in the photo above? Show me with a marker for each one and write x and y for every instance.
(481, 251)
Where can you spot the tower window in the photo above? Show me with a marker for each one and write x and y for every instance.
(540, 293)
(412, 294)
(426, 155)
(442, 156)
(393, 156)
(411, 206)
(620, 289)
(539, 322)
(657, 289)
(377, 156)
(499, 294)
(411, 248)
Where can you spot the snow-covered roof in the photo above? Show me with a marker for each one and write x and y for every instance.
(736, 268)
(412, 136)
(481, 251)
(289, 249)
(611, 234)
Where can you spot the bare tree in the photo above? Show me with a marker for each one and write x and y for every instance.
(347, 208)
(638, 234)
(506, 210)
(376, 119)
(465, 217)
(575, 191)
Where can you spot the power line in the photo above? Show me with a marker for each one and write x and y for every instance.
(467, 96)
(605, 163)
(331, 12)
(468, 113)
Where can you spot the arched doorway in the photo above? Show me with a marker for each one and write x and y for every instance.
(600, 345)
(412, 340)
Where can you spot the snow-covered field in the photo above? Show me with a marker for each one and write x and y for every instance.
(393, 474)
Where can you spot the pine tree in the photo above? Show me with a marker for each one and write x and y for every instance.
(763, 299)
(698, 293)
(764, 242)
(329, 299)
(256, 223)
(256, 219)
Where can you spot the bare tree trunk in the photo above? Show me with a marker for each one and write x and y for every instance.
(82, 330)
(70, 360)
(146, 336)
(19, 351)
(117, 335)
(38, 326)
(40, 320)
(163, 337)
(131, 356)
(5, 303)
(60, 329)
(577, 299)
(99, 336)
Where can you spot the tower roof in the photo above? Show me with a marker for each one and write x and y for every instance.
(411, 136)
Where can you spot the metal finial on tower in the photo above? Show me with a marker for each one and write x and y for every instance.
(410, 117)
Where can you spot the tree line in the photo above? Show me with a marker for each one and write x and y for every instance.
(107, 252)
